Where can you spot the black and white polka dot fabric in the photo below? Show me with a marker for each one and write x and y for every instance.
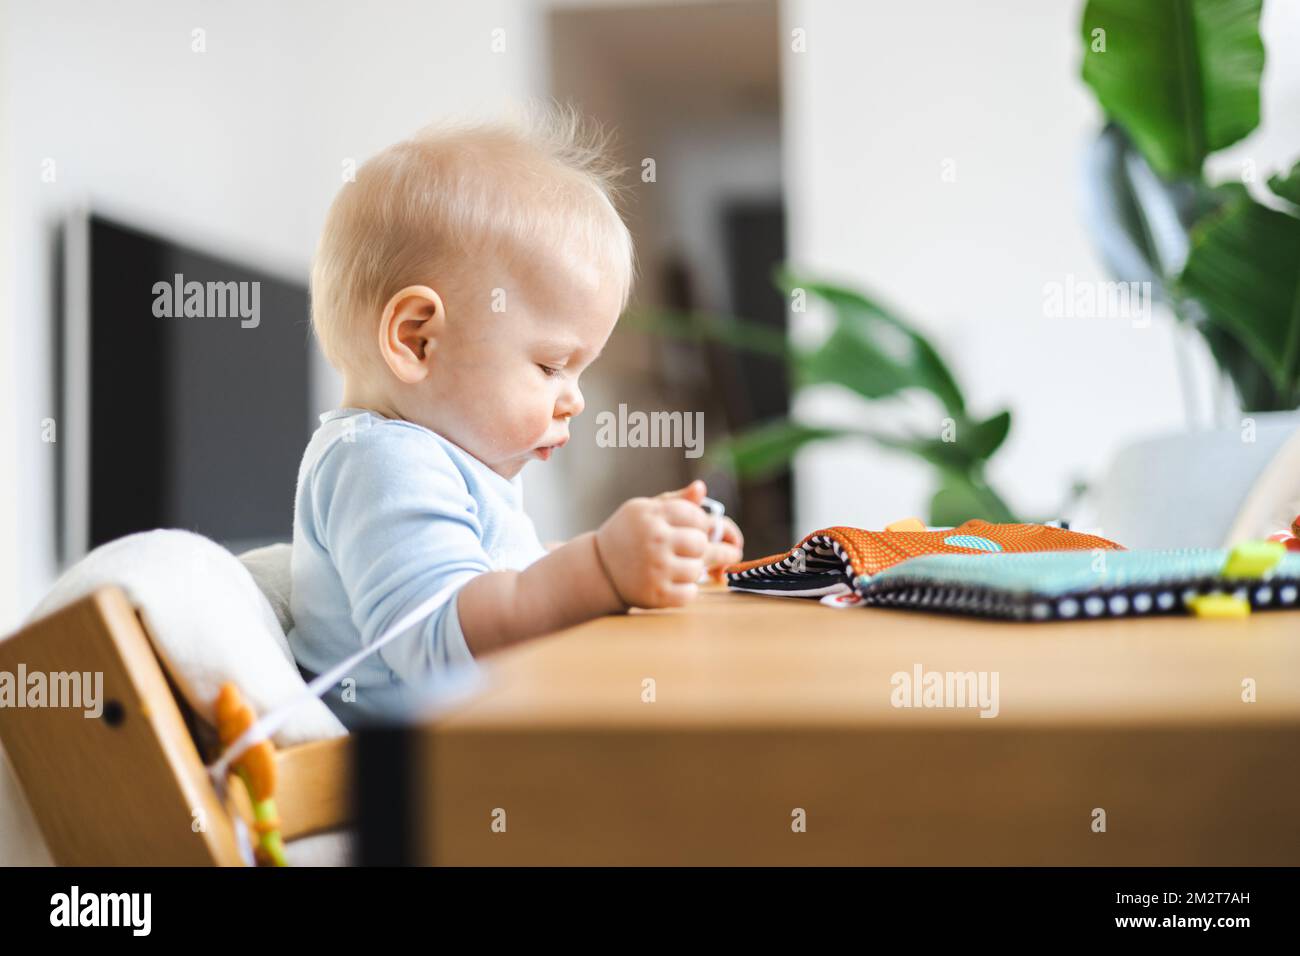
(1070, 586)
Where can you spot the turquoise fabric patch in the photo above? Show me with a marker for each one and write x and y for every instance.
(972, 541)
(1074, 585)
(1065, 572)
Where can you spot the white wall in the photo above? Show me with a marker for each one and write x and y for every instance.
(9, 482)
(238, 149)
(884, 94)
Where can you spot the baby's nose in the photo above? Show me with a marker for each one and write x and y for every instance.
(570, 404)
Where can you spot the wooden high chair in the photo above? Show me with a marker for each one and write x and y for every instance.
(129, 788)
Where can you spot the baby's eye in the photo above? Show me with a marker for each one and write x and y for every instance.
(549, 370)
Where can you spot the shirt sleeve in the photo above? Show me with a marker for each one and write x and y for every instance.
(399, 524)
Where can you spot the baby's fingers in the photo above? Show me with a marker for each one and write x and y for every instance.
(694, 492)
(721, 554)
(731, 533)
(675, 595)
(683, 514)
(684, 570)
(689, 542)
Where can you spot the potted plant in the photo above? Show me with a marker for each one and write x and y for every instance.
(1178, 82)
(876, 354)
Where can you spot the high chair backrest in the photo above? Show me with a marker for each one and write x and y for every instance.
(127, 786)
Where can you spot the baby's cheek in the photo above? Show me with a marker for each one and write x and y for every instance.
(528, 421)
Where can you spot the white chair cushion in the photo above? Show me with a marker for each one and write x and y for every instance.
(270, 568)
(208, 621)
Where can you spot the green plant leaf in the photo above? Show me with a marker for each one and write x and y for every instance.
(1140, 223)
(941, 454)
(1287, 186)
(851, 357)
(1255, 388)
(962, 497)
(1114, 212)
(1244, 268)
(706, 326)
(767, 448)
(1181, 76)
(972, 444)
(955, 502)
(870, 350)
(986, 437)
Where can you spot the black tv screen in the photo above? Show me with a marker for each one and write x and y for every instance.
(187, 390)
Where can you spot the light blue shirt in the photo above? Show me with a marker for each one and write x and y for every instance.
(388, 513)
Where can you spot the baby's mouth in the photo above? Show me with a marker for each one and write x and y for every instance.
(544, 451)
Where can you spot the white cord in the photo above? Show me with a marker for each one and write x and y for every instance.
(265, 726)
(716, 510)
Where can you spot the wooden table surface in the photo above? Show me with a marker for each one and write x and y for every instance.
(707, 734)
(733, 659)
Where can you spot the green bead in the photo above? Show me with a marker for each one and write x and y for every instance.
(1253, 559)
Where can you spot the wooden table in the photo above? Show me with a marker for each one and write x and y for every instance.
(704, 735)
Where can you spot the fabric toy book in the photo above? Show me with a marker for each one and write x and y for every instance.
(1022, 572)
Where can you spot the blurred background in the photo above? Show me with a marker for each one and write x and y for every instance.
(933, 155)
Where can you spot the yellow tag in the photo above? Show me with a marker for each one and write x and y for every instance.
(1219, 605)
(907, 524)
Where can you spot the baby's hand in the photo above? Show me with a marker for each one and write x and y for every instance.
(726, 550)
(655, 549)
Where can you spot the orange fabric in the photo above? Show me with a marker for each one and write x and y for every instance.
(234, 716)
(873, 551)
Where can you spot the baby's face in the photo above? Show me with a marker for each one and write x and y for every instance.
(504, 380)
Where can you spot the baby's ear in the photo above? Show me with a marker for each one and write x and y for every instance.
(409, 330)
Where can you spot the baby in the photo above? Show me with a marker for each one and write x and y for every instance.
(462, 285)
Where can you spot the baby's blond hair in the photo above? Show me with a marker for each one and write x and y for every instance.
(421, 211)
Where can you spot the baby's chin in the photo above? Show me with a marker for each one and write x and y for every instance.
(513, 465)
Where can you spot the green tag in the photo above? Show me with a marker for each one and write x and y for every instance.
(1253, 559)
